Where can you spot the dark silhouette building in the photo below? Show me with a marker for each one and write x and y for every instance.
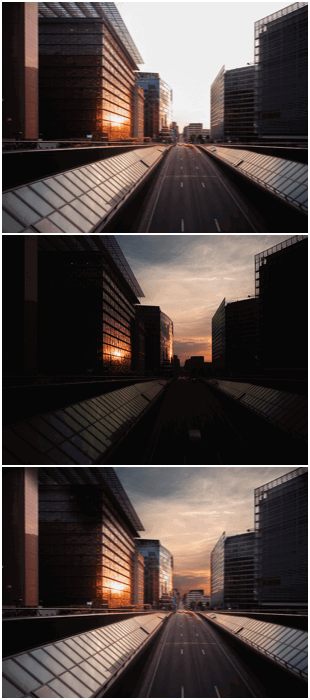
(232, 571)
(73, 300)
(281, 530)
(235, 337)
(20, 60)
(158, 338)
(281, 62)
(281, 286)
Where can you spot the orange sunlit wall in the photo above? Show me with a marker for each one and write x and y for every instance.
(118, 320)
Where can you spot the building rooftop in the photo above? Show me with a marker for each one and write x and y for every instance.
(97, 476)
(92, 10)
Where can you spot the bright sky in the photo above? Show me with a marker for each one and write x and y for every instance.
(188, 509)
(188, 276)
(188, 42)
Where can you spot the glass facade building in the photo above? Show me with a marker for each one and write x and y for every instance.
(217, 106)
(157, 104)
(235, 337)
(158, 338)
(281, 530)
(87, 529)
(281, 59)
(217, 572)
(158, 571)
(239, 94)
(239, 570)
(87, 72)
(281, 279)
(218, 336)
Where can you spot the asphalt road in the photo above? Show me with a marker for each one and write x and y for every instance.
(192, 195)
(191, 661)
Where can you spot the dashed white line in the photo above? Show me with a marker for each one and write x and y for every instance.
(203, 184)
(202, 651)
(217, 224)
(182, 692)
(217, 692)
(181, 184)
(181, 651)
(182, 225)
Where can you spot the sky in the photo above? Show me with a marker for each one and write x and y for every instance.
(187, 43)
(188, 276)
(188, 508)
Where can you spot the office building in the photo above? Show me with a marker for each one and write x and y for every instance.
(158, 571)
(196, 596)
(193, 128)
(232, 571)
(20, 542)
(87, 531)
(158, 338)
(73, 299)
(235, 337)
(281, 529)
(138, 587)
(20, 116)
(157, 104)
(138, 120)
(87, 64)
(239, 571)
(194, 365)
(281, 288)
(281, 60)
(232, 104)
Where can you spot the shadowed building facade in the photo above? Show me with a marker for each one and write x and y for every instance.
(158, 338)
(158, 570)
(87, 538)
(20, 70)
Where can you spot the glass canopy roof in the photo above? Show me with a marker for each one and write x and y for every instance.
(285, 645)
(285, 178)
(78, 200)
(288, 411)
(92, 10)
(78, 666)
(81, 433)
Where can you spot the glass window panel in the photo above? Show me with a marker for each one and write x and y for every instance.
(107, 193)
(18, 675)
(62, 191)
(76, 180)
(76, 454)
(82, 652)
(74, 683)
(48, 661)
(62, 646)
(34, 200)
(97, 197)
(290, 654)
(62, 689)
(47, 193)
(59, 457)
(296, 659)
(46, 226)
(65, 225)
(19, 208)
(80, 416)
(85, 211)
(107, 430)
(85, 446)
(64, 429)
(90, 643)
(56, 654)
(46, 692)
(94, 642)
(10, 691)
(92, 172)
(47, 430)
(69, 420)
(10, 225)
(34, 667)
(100, 446)
(64, 180)
(83, 224)
(103, 196)
(94, 206)
(90, 681)
(85, 647)
(100, 435)
(95, 673)
(103, 663)
(93, 410)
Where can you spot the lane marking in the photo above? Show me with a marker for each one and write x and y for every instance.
(202, 651)
(217, 225)
(196, 167)
(203, 184)
(182, 692)
(182, 225)
(196, 634)
(181, 184)
(217, 692)
(181, 651)
(231, 662)
(181, 167)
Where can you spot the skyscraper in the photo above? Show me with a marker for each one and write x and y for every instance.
(157, 104)
(158, 571)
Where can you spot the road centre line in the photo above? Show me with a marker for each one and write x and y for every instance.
(217, 692)
(203, 184)
(181, 184)
(182, 692)
(202, 651)
(182, 225)
(181, 651)
(232, 196)
(232, 663)
(217, 225)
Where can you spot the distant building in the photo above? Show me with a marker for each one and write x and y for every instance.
(194, 365)
(158, 338)
(158, 571)
(157, 104)
(20, 116)
(196, 596)
(138, 585)
(138, 120)
(281, 288)
(193, 128)
(232, 571)
(281, 529)
(281, 60)
(235, 337)
(232, 104)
